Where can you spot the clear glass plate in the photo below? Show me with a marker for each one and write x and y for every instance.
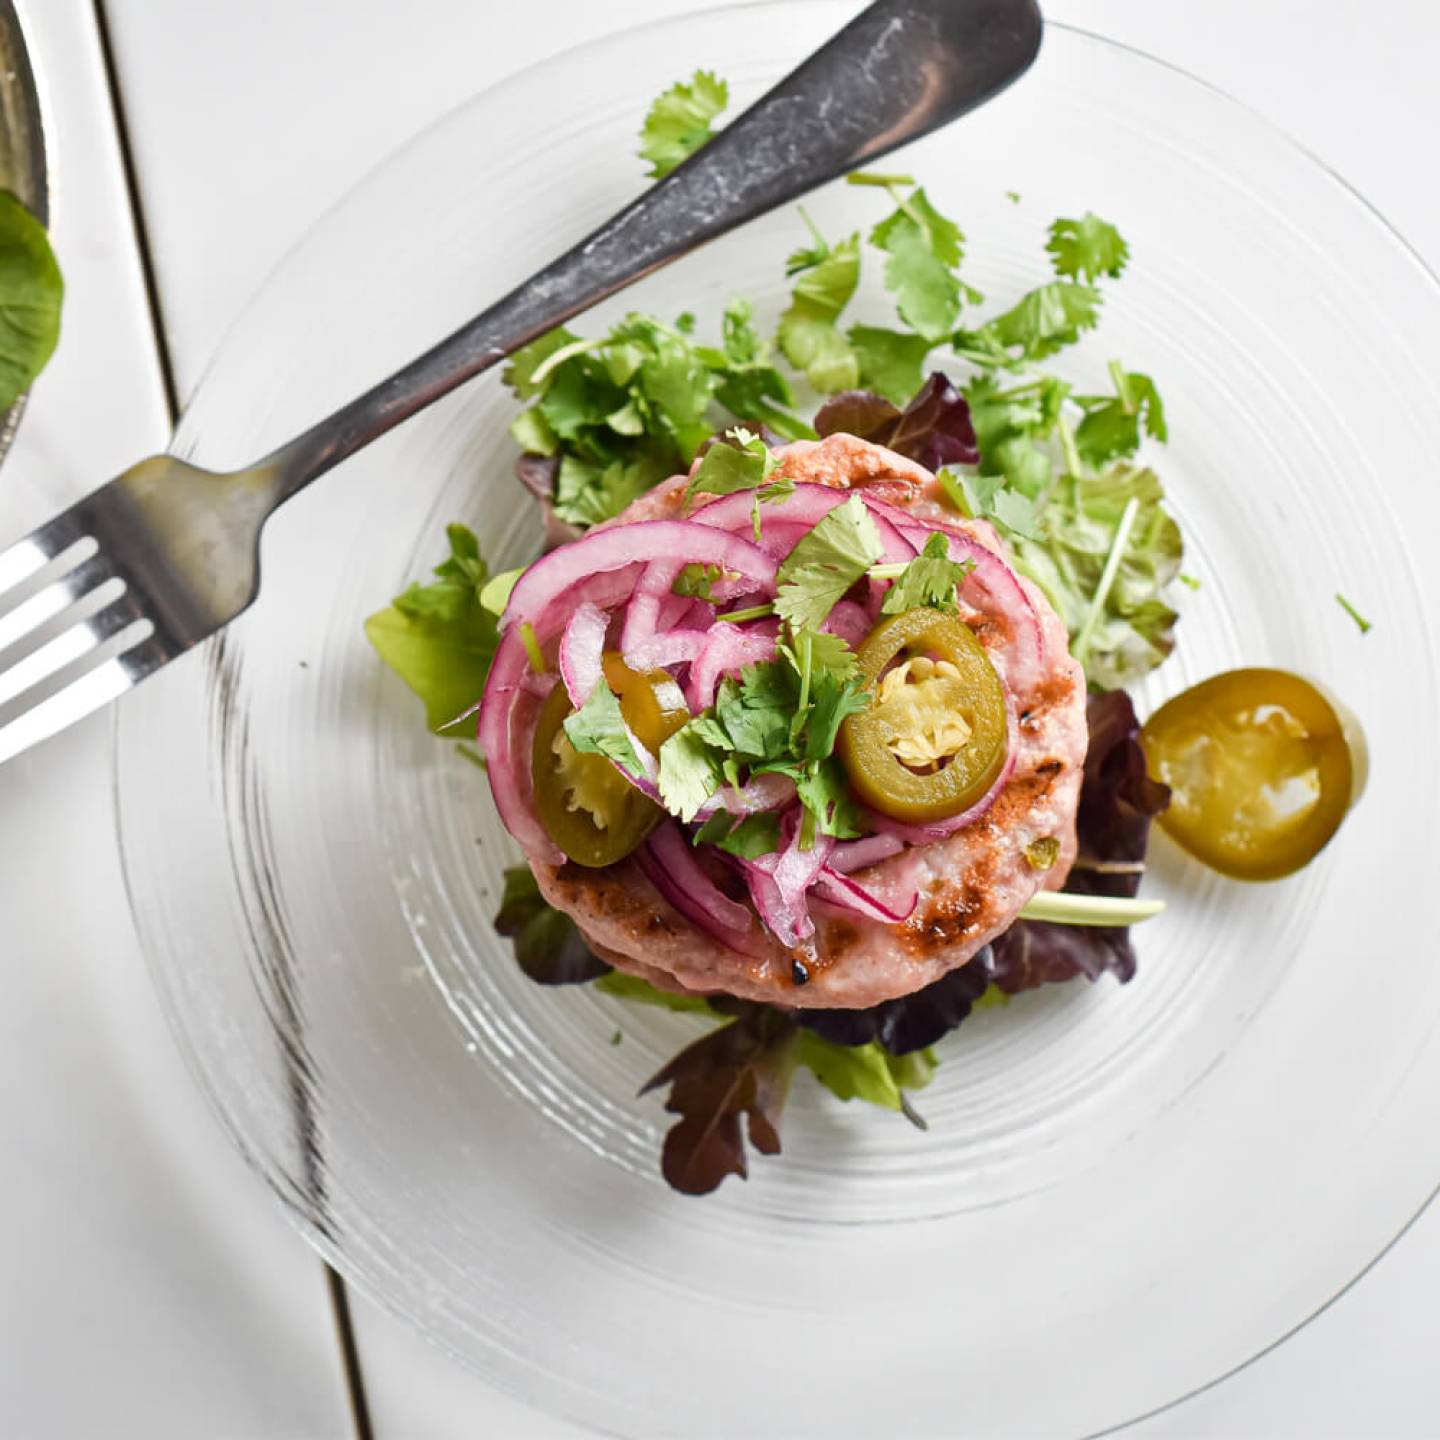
(1124, 1193)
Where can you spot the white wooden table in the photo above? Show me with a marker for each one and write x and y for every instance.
(147, 1286)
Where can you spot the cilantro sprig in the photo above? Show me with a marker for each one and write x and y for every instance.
(825, 563)
(679, 122)
(614, 416)
(930, 579)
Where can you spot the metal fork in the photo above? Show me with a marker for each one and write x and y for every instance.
(162, 557)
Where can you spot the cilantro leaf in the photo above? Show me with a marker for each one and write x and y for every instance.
(533, 434)
(865, 1072)
(1040, 323)
(825, 563)
(808, 336)
(519, 372)
(990, 497)
(689, 771)
(737, 460)
(587, 494)
(1112, 424)
(942, 235)
(926, 289)
(742, 342)
(749, 838)
(831, 700)
(929, 579)
(754, 712)
(438, 637)
(598, 728)
(1087, 248)
(1014, 427)
(678, 123)
(891, 362)
(770, 494)
(830, 655)
(621, 413)
(825, 793)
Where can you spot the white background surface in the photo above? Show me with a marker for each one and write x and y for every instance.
(147, 1286)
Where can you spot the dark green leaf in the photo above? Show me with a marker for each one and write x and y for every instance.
(737, 460)
(1112, 424)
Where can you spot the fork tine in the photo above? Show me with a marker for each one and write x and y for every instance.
(44, 556)
(101, 674)
(66, 597)
(66, 636)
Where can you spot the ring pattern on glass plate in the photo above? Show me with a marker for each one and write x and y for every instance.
(1132, 1189)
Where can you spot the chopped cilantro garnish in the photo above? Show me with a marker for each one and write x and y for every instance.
(618, 415)
(991, 497)
(825, 564)
(698, 581)
(737, 460)
(689, 770)
(598, 728)
(929, 579)
(749, 838)
(769, 494)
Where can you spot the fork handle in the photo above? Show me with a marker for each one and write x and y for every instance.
(899, 70)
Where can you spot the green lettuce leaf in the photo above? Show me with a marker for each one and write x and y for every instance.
(31, 293)
(1133, 629)
(439, 638)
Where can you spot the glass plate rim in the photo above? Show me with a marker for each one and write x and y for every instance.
(303, 1223)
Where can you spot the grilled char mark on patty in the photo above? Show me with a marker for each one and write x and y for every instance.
(971, 885)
